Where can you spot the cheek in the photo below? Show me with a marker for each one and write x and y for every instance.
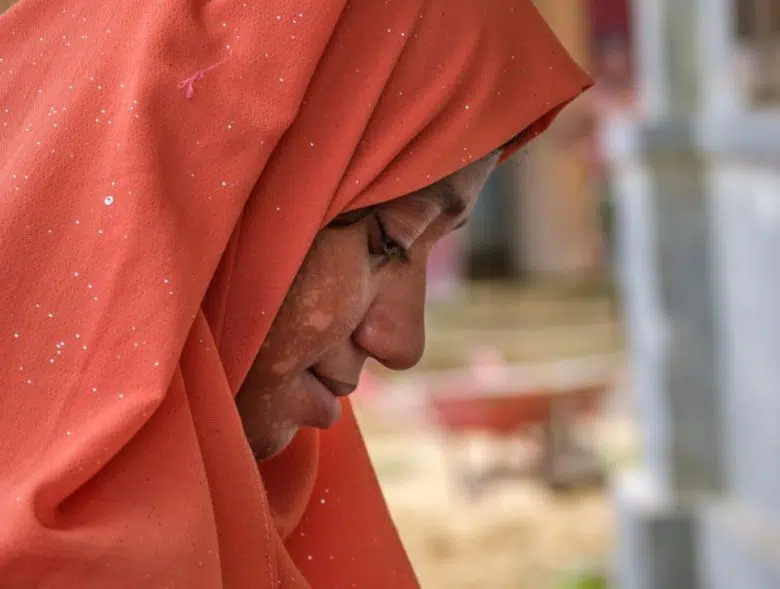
(325, 304)
(335, 288)
(285, 365)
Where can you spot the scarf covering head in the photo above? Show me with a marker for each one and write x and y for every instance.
(165, 167)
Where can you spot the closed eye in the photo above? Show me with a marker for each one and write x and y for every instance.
(384, 245)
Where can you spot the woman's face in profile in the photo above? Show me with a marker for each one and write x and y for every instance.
(359, 293)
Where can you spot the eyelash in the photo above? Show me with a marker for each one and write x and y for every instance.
(390, 248)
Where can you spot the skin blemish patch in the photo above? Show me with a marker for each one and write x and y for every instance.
(285, 366)
(319, 320)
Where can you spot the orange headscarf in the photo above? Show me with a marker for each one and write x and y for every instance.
(165, 166)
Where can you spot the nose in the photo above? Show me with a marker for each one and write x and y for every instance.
(393, 329)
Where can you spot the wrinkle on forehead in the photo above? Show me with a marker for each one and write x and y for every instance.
(454, 195)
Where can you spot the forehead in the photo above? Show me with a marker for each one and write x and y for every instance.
(454, 195)
(457, 193)
(472, 177)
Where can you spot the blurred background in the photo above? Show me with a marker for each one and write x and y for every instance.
(495, 452)
(598, 405)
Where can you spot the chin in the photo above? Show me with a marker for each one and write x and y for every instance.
(268, 446)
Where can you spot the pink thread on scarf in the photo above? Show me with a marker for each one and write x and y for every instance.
(189, 83)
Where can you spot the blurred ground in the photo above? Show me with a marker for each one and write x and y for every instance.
(519, 534)
(532, 323)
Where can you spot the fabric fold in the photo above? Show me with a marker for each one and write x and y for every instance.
(164, 169)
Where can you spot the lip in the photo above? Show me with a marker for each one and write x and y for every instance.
(336, 387)
(324, 394)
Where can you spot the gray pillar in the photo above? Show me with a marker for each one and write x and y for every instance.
(699, 211)
(666, 238)
(740, 530)
(656, 545)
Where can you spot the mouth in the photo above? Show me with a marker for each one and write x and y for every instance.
(324, 394)
(336, 387)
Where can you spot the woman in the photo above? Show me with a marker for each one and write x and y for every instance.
(168, 170)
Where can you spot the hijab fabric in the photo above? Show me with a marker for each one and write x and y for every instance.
(165, 167)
